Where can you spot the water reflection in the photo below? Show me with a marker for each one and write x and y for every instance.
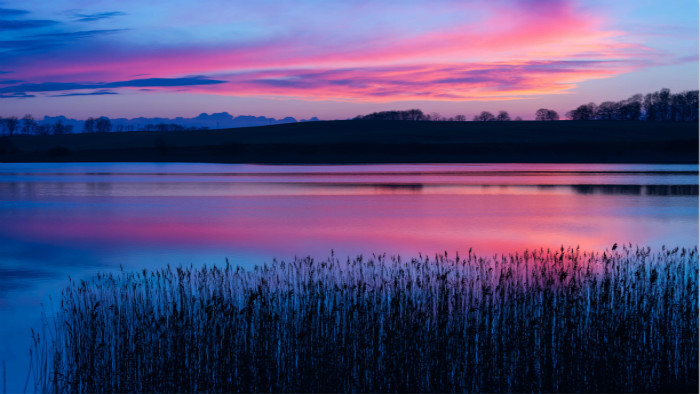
(651, 190)
(60, 220)
(188, 189)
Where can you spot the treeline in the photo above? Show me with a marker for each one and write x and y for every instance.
(416, 114)
(660, 106)
(484, 116)
(171, 127)
(29, 126)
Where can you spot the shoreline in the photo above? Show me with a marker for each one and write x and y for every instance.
(376, 142)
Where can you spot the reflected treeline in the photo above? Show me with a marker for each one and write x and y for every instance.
(395, 187)
(404, 187)
(671, 190)
(16, 278)
(23, 189)
(649, 190)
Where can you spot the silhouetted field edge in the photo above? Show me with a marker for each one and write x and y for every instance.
(541, 320)
(335, 142)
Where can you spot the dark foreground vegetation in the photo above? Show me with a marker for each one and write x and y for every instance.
(339, 142)
(554, 321)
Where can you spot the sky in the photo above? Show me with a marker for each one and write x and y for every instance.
(337, 59)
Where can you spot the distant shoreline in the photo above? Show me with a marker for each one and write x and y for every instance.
(365, 142)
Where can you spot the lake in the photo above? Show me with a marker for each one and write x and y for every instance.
(76, 219)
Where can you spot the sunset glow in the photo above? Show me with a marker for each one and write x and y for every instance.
(290, 57)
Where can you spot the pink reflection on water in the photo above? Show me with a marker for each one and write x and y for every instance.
(76, 219)
(384, 222)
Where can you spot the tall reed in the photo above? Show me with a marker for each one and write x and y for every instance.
(539, 320)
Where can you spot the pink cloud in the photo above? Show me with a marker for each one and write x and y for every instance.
(483, 81)
(515, 50)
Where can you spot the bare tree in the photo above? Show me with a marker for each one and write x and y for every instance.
(654, 107)
(415, 114)
(684, 106)
(690, 111)
(103, 124)
(503, 116)
(546, 114)
(583, 112)
(484, 116)
(607, 110)
(10, 124)
(43, 129)
(89, 126)
(435, 116)
(663, 103)
(59, 128)
(28, 124)
(631, 109)
(411, 114)
(460, 118)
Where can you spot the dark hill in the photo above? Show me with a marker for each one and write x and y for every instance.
(376, 142)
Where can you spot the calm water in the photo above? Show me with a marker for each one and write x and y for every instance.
(60, 220)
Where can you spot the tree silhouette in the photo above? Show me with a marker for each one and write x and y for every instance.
(546, 114)
(411, 114)
(607, 110)
(59, 128)
(103, 124)
(503, 116)
(690, 111)
(654, 107)
(630, 109)
(435, 116)
(484, 116)
(89, 126)
(28, 124)
(663, 104)
(414, 114)
(583, 112)
(43, 129)
(684, 107)
(10, 124)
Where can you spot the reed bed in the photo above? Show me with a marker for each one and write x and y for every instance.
(542, 320)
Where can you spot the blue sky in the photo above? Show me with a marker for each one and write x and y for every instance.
(337, 59)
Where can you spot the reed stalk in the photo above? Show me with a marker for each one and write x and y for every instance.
(538, 320)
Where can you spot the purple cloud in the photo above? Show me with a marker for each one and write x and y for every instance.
(98, 16)
(97, 93)
(25, 24)
(147, 82)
